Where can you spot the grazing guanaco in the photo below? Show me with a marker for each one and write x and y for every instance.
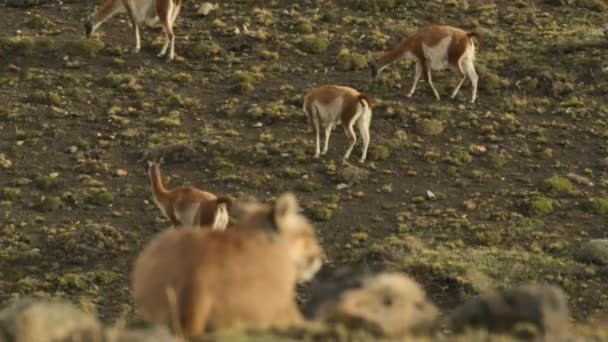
(187, 206)
(435, 47)
(140, 11)
(327, 104)
(242, 278)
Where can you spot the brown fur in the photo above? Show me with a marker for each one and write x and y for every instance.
(353, 103)
(188, 204)
(430, 37)
(237, 279)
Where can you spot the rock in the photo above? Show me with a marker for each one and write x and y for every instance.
(387, 304)
(71, 149)
(341, 186)
(543, 308)
(352, 174)
(5, 163)
(206, 8)
(594, 251)
(477, 149)
(430, 195)
(30, 320)
(121, 173)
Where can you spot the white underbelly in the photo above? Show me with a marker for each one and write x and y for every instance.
(437, 56)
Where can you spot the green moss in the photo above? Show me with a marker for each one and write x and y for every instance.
(483, 268)
(497, 161)
(182, 77)
(49, 203)
(489, 81)
(303, 26)
(429, 127)
(598, 206)
(10, 194)
(460, 157)
(539, 206)
(47, 182)
(347, 61)
(85, 47)
(558, 186)
(99, 196)
(45, 45)
(379, 152)
(314, 43)
(307, 186)
(46, 98)
(245, 81)
(595, 251)
(37, 21)
(203, 49)
(171, 120)
(17, 46)
(321, 212)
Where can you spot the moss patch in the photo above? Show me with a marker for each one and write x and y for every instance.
(558, 187)
(314, 43)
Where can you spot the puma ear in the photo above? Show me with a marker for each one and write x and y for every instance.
(285, 205)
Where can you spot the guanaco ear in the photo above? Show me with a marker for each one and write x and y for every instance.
(285, 206)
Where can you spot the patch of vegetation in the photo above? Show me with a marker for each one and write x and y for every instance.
(540, 206)
(99, 196)
(598, 206)
(203, 49)
(245, 81)
(348, 61)
(17, 46)
(85, 47)
(314, 43)
(557, 186)
(379, 152)
(429, 127)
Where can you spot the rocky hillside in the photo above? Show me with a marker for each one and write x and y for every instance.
(510, 190)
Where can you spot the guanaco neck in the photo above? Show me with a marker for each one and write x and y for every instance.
(157, 182)
(396, 53)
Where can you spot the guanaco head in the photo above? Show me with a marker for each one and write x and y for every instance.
(284, 218)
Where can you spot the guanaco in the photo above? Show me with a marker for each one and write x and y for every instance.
(435, 47)
(188, 206)
(140, 11)
(327, 104)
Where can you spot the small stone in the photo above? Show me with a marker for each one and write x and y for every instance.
(477, 149)
(206, 8)
(469, 205)
(5, 163)
(359, 194)
(430, 195)
(341, 186)
(121, 173)
(257, 125)
(71, 149)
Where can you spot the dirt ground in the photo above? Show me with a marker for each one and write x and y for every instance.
(518, 180)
